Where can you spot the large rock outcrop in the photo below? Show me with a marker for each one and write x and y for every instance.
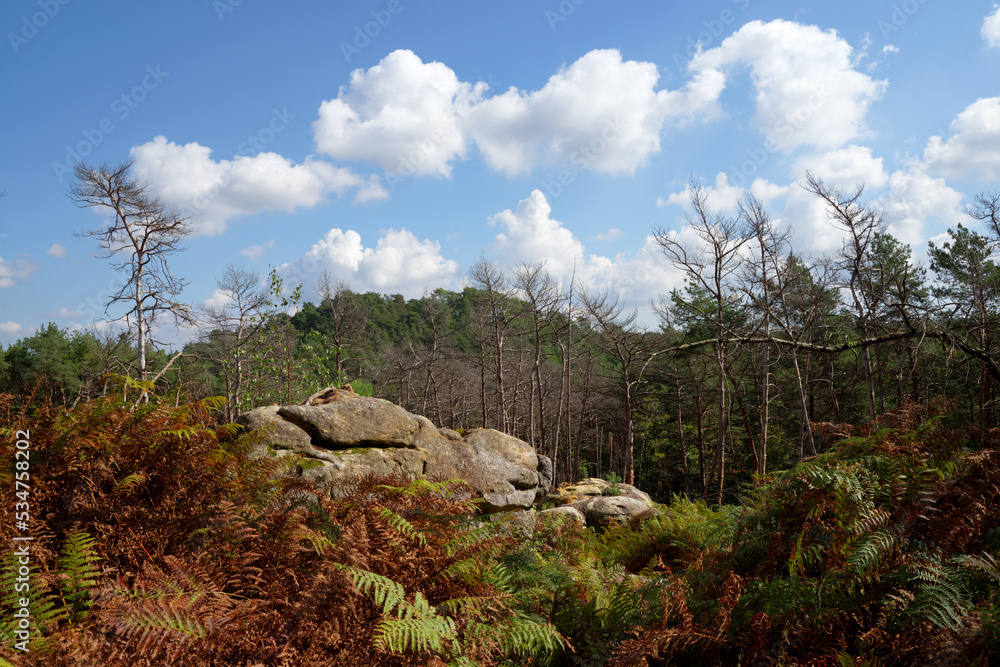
(599, 503)
(341, 434)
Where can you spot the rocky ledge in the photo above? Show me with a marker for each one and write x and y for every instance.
(340, 434)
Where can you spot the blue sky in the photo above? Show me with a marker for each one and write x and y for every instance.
(393, 143)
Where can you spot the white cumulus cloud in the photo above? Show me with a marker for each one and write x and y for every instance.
(413, 118)
(914, 200)
(808, 90)
(722, 196)
(402, 114)
(56, 250)
(991, 28)
(529, 234)
(399, 263)
(974, 145)
(10, 329)
(602, 113)
(212, 191)
(609, 235)
(844, 168)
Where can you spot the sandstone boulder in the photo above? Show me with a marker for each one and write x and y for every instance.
(600, 503)
(353, 435)
(359, 422)
(608, 511)
(520, 523)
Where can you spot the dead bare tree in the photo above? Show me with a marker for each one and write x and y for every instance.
(631, 349)
(347, 320)
(139, 238)
(236, 323)
(543, 295)
(710, 268)
(759, 283)
(496, 311)
(861, 225)
(985, 208)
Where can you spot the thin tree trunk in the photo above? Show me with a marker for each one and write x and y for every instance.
(806, 426)
(720, 444)
(701, 443)
(680, 438)
(765, 404)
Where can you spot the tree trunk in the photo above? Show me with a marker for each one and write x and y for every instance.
(680, 438)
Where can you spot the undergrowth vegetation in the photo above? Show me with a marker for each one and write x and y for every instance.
(159, 540)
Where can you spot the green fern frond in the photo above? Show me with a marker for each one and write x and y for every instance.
(78, 567)
(527, 636)
(402, 526)
(44, 611)
(122, 382)
(419, 486)
(418, 628)
(213, 402)
(130, 482)
(468, 570)
(866, 553)
(186, 433)
(230, 430)
(385, 592)
(984, 563)
(931, 591)
(466, 538)
(501, 577)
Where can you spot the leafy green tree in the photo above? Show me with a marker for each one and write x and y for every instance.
(897, 289)
(68, 364)
(968, 299)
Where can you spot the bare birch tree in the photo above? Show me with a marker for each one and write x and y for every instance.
(139, 238)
